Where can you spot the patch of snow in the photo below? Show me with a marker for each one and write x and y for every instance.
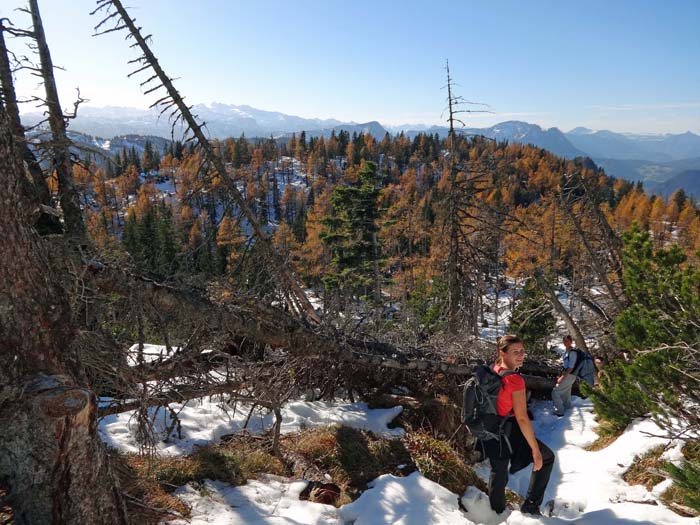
(586, 488)
(413, 500)
(150, 353)
(204, 421)
(269, 501)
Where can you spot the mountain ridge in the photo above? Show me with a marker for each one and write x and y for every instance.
(649, 158)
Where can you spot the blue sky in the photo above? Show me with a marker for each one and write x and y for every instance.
(629, 66)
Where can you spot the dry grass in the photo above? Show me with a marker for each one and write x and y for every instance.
(137, 480)
(350, 457)
(149, 480)
(439, 462)
(647, 469)
(607, 434)
(512, 497)
(440, 417)
(233, 462)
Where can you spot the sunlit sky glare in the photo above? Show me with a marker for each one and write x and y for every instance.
(630, 66)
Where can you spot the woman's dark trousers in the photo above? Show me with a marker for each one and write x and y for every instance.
(501, 459)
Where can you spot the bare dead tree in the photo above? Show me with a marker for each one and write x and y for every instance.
(35, 186)
(454, 102)
(180, 113)
(60, 151)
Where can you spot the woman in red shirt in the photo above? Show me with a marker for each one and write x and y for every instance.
(521, 448)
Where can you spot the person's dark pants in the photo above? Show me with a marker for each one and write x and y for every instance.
(501, 459)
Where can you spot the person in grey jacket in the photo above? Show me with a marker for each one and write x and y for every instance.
(561, 395)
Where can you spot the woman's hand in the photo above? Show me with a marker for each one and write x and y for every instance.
(536, 460)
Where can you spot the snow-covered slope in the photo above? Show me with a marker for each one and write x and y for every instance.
(586, 488)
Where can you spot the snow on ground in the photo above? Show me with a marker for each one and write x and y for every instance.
(204, 421)
(150, 353)
(413, 500)
(586, 489)
(269, 500)
(498, 314)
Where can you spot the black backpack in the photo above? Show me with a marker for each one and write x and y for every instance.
(479, 403)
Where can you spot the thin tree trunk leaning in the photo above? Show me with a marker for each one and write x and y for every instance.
(597, 310)
(594, 258)
(611, 239)
(149, 60)
(52, 461)
(67, 192)
(571, 326)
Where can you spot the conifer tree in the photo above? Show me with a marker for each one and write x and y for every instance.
(230, 241)
(532, 319)
(660, 330)
(350, 234)
(299, 226)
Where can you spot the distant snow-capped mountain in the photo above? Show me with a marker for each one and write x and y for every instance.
(221, 120)
(650, 158)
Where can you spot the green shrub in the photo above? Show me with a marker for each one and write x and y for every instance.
(686, 478)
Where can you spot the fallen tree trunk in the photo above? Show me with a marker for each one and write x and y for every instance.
(535, 383)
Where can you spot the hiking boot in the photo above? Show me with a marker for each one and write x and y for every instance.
(529, 507)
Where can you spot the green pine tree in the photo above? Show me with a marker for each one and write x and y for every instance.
(350, 234)
(532, 319)
(659, 330)
(166, 257)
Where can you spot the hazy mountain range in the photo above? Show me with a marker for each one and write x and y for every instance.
(663, 162)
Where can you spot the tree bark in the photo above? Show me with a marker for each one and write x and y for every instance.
(35, 187)
(54, 464)
(52, 461)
